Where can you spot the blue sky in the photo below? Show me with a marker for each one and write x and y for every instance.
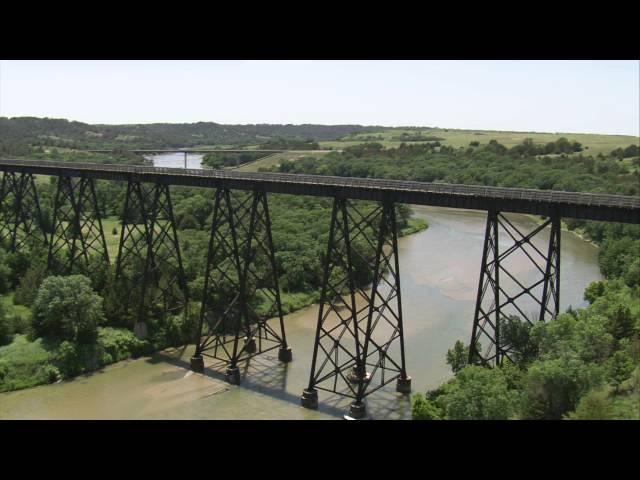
(543, 96)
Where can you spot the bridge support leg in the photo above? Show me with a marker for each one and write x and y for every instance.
(237, 299)
(77, 228)
(359, 342)
(149, 258)
(502, 298)
(21, 221)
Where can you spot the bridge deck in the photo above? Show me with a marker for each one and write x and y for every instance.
(591, 206)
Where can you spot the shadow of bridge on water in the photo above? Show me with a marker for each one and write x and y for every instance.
(265, 374)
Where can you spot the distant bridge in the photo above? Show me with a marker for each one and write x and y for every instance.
(357, 349)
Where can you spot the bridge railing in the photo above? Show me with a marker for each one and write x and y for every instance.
(480, 191)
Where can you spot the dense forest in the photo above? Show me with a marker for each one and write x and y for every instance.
(586, 363)
(490, 164)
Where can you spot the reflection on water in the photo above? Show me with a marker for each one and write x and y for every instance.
(176, 160)
(439, 277)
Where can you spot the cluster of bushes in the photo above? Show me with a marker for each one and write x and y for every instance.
(527, 148)
(417, 137)
(290, 144)
(630, 151)
(67, 334)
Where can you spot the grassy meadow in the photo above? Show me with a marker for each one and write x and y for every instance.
(593, 143)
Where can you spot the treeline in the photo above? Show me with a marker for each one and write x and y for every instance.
(418, 137)
(630, 151)
(118, 155)
(68, 134)
(291, 144)
(527, 148)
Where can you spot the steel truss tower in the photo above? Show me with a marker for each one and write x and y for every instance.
(77, 229)
(241, 286)
(494, 304)
(149, 259)
(20, 216)
(359, 342)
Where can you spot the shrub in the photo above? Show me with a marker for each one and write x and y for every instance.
(6, 327)
(51, 373)
(27, 288)
(424, 409)
(67, 307)
(21, 324)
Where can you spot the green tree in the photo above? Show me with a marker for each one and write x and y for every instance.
(619, 369)
(516, 334)
(594, 290)
(552, 388)
(457, 356)
(595, 405)
(30, 282)
(424, 409)
(6, 327)
(479, 393)
(68, 308)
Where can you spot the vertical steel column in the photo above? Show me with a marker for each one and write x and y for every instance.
(488, 322)
(21, 221)
(496, 286)
(284, 353)
(76, 220)
(240, 232)
(233, 374)
(149, 253)
(342, 355)
(551, 290)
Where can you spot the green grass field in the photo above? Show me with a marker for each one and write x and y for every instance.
(461, 138)
(108, 224)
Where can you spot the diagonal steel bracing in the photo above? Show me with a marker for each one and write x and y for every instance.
(149, 258)
(77, 228)
(21, 221)
(241, 290)
(497, 301)
(359, 343)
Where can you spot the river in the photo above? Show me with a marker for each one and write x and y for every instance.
(439, 277)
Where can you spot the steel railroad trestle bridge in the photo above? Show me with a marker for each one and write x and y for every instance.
(359, 339)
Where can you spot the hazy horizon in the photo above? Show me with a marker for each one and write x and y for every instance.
(577, 97)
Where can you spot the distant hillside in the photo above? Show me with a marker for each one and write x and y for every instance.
(70, 134)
